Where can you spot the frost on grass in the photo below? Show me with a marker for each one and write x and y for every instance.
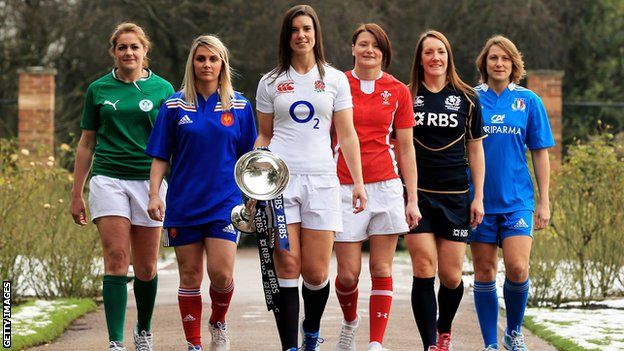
(28, 319)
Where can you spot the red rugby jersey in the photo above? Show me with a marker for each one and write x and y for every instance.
(375, 116)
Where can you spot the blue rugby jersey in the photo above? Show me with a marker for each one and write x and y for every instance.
(514, 121)
(202, 143)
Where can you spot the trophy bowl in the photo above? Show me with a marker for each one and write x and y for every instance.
(261, 176)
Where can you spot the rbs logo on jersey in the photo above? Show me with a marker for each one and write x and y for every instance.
(436, 119)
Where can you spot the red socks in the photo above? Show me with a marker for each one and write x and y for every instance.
(190, 303)
(220, 302)
(348, 297)
(379, 307)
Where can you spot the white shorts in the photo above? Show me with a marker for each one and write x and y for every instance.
(384, 213)
(313, 201)
(125, 198)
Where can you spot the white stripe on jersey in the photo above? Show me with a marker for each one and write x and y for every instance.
(181, 103)
(236, 105)
(390, 148)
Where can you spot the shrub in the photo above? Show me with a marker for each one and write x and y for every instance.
(41, 249)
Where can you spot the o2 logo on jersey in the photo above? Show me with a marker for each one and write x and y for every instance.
(306, 111)
(227, 119)
(286, 87)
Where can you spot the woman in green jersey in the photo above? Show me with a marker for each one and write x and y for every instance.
(119, 113)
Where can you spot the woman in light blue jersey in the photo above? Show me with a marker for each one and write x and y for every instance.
(514, 119)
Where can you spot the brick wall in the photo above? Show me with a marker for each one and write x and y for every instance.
(547, 85)
(35, 104)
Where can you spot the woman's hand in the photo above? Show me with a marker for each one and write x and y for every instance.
(78, 210)
(476, 212)
(156, 208)
(412, 214)
(359, 198)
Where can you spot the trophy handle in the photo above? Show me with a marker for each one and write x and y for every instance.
(242, 217)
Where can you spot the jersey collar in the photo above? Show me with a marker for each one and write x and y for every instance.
(149, 75)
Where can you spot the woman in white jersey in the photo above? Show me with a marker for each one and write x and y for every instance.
(382, 105)
(297, 102)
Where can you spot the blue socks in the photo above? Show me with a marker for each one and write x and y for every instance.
(486, 304)
(516, 296)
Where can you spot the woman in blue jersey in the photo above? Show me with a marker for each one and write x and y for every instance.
(119, 111)
(203, 129)
(297, 103)
(448, 127)
(515, 119)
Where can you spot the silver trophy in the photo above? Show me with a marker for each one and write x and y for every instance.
(261, 176)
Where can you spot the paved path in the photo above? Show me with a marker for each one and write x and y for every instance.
(251, 327)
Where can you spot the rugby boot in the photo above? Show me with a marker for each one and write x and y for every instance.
(346, 340)
(311, 341)
(116, 346)
(220, 340)
(143, 341)
(514, 342)
(191, 347)
(444, 342)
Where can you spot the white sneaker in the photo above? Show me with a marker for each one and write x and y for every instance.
(143, 340)
(346, 340)
(116, 346)
(220, 340)
(375, 346)
(191, 347)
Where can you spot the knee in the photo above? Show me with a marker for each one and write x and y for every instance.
(221, 280)
(190, 277)
(145, 272)
(315, 277)
(348, 279)
(485, 271)
(423, 266)
(116, 261)
(517, 272)
(381, 269)
(288, 266)
(451, 281)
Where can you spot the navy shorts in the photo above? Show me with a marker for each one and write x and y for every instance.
(178, 236)
(497, 227)
(445, 215)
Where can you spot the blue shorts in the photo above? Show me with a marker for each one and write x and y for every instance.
(497, 227)
(178, 236)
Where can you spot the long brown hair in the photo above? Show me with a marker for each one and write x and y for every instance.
(382, 41)
(285, 53)
(418, 73)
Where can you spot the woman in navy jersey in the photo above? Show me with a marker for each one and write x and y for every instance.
(448, 127)
(382, 106)
(297, 103)
(515, 119)
(203, 129)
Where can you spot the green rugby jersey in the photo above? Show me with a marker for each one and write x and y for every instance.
(123, 114)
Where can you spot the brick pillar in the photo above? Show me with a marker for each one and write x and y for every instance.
(35, 103)
(547, 85)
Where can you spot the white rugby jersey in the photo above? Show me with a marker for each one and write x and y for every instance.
(302, 106)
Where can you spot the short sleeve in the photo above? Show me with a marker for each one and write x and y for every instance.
(343, 93)
(404, 116)
(90, 112)
(264, 100)
(248, 131)
(538, 132)
(162, 140)
(475, 120)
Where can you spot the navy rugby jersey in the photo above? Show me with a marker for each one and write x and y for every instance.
(514, 121)
(444, 121)
(203, 143)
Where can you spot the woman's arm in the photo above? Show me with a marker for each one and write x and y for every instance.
(82, 165)
(350, 145)
(265, 129)
(155, 206)
(476, 160)
(407, 165)
(541, 166)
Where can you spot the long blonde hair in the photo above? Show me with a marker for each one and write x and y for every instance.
(226, 91)
(418, 73)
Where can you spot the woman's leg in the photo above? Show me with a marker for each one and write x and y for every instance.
(450, 263)
(516, 253)
(288, 269)
(382, 248)
(220, 257)
(423, 252)
(316, 249)
(115, 235)
(190, 267)
(349, 258)
(485, 262)
(145, 242)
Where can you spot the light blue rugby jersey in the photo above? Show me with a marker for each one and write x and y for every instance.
(203, 143)
(514, 121)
